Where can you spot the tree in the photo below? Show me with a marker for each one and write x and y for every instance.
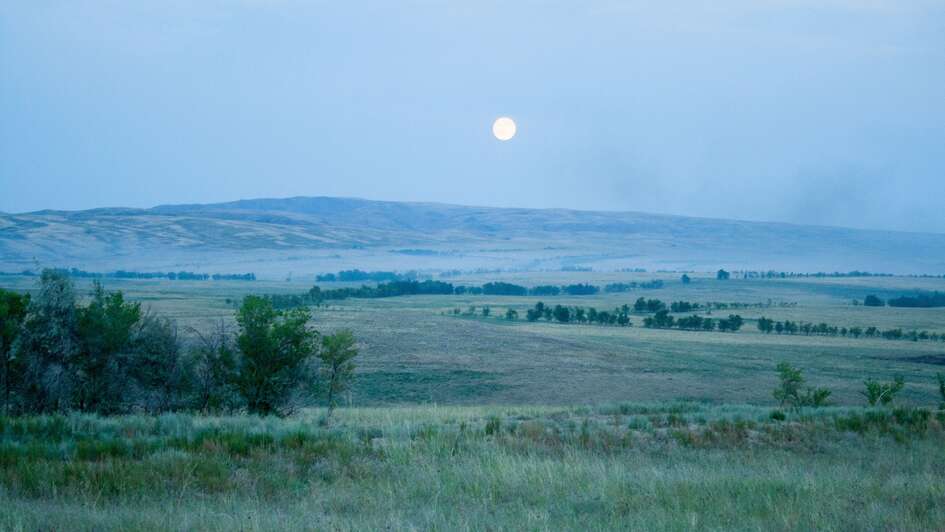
(873, 301)
(765, 325)
(562, 314)
(790, 382)
(512, 314)
(213, 367)
(685, 279)
(337, 356)
(12, 313)
(101, 364)
(157, 365)
(47, 341)
(882, 392)
(274, 348)
(722, 275)
(789, 389)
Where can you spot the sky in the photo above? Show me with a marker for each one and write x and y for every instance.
(827, 112)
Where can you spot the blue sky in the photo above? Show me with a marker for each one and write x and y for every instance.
(825, 112)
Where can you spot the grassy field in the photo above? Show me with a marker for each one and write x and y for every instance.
(478, 423)
(666, 466)
(414, 352)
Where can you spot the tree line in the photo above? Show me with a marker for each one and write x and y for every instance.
(619, 316)
(924, 300)
(769, 326)
(108, 356)
(356, 276)
(122, 274)
(316, 295)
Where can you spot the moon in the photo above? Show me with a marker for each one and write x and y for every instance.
(503, 128)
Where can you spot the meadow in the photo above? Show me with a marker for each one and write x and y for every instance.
(415, 351)
(629, 466)
(472, 422)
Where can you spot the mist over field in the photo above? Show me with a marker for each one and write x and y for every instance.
(276, 237)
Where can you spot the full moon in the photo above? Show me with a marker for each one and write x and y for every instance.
(503, 128)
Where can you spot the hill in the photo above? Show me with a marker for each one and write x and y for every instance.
(308, 234)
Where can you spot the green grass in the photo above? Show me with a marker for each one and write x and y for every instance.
(412, 353)
(628, 465)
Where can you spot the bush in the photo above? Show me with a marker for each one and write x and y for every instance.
(882, 392)
(789, 391)
(275, 346)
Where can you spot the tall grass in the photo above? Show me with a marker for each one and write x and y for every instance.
(638, 466)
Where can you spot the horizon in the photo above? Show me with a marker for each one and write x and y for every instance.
(475, 206)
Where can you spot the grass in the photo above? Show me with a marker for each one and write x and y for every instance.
(413, 353)
(627, 465)
(666, 429)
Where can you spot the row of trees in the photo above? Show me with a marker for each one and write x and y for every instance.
(109, 356)
(663, 320)
(767, 325)
(316, 295)
(357, 276)
(927, 300)
(655, 305)
(620, 316)
(173, 276)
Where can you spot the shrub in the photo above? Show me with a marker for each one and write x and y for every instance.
(493, 426)
(275, 346)
(882, 392)
(789, 391)
(941, 388)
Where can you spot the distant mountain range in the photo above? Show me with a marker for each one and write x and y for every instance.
(312, 234)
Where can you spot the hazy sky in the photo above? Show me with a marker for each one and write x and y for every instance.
(811, 111)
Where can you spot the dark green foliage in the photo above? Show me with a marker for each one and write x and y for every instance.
(503, 289)
(12, 313)
(790, 393)
(778, 415)
(213, 372)
(766, 325)
(790, 382)
(493, 426)
(47, 343)
(934, 299)
(102, 363)
(544, 290)
(274, 347)
(337, 356)
(683, 306)
(685, 279)
(161, 377)
(941, 387)
(873, 301)
(648, 305)
(722, 275)
(733, 323)
(882, 393)
(580, 289)
(561, 314)
(511, 315)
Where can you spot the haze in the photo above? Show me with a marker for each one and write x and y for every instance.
(806, 112)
